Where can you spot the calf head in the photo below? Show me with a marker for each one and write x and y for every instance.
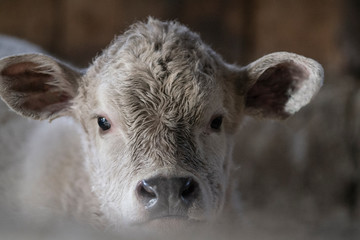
(159, 111)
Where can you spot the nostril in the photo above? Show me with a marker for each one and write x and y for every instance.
(146, 193)
(146, 189)
(189, 190)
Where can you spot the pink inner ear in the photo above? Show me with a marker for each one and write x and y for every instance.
(22, 77)
(274, 88)
(18, 68)
(47, 102)
(36, 93)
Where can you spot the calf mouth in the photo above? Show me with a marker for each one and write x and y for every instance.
(171, 222)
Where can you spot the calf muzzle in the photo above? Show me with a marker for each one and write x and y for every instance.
(167, 196)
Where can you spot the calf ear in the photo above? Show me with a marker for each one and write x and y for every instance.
(279, 84)
(37, 86)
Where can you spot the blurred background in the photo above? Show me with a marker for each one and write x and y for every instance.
(240, 30)
(301, 175)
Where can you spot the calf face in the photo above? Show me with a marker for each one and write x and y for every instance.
(159, 110)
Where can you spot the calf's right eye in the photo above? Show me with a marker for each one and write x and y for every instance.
(103, 123)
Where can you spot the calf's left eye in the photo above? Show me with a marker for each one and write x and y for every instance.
(103, 123)
(216, 123)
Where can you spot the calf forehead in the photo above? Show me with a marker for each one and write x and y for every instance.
(160, 78)
(158, 73)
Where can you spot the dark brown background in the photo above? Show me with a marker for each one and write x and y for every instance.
(240, 30)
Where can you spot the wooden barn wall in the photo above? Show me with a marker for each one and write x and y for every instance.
(241, 30)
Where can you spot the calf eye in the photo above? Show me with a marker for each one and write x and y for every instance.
(103, 123)
(216, 123)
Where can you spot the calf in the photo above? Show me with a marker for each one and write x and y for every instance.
(146, 132)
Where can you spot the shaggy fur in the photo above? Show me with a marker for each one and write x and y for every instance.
(160, 87)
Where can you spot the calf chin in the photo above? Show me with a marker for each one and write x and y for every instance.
(172, 224)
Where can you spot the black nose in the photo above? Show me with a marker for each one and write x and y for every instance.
(170, 194)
